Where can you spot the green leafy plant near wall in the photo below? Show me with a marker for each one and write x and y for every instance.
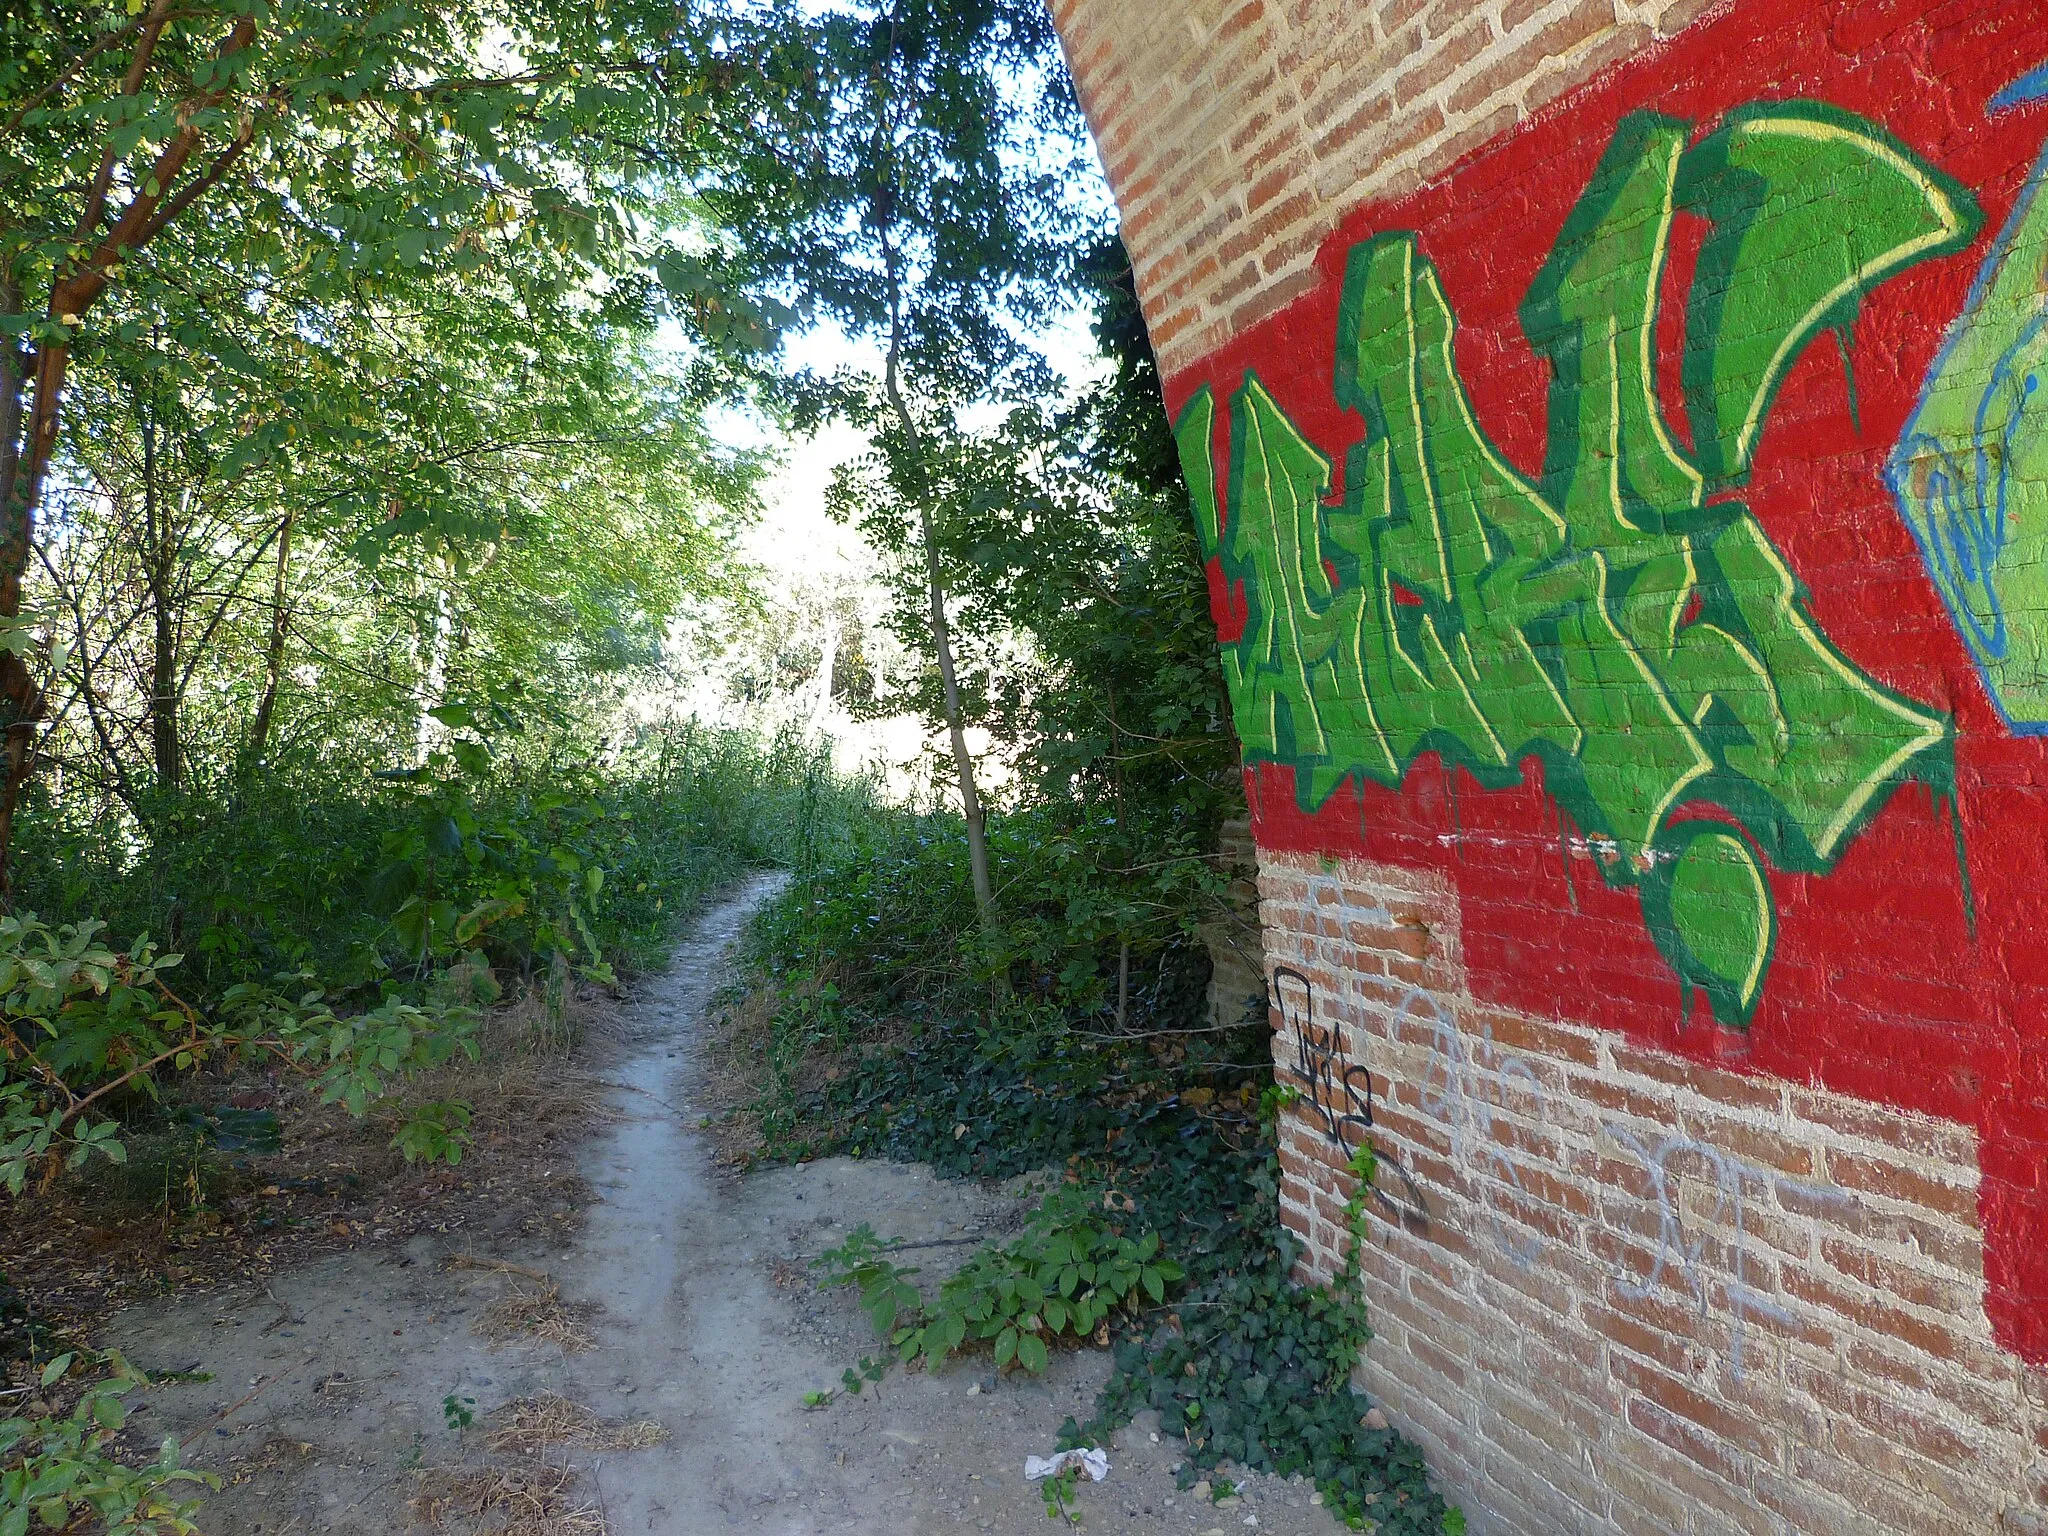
(1249, 1366)
(1259, 1372)
(1068, 1275)
(1648, 645)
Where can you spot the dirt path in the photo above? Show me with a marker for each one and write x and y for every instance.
(689, 1291)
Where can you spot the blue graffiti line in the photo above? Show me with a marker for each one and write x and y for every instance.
(1686, 1255)
(1469, 1086)
(2028, 88)
(1961, 517)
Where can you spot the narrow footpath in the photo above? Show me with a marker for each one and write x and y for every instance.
(663, 1354)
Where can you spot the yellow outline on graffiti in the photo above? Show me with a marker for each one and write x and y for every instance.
(1932, 728)
(1866, 276)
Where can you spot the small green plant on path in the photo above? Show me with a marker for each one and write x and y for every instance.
(1058, 1493)
(1064, 1278)
(57, 1470)
(857, 1379)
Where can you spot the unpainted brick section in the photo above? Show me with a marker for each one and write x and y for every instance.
(1746, 1305)
(1342, 103)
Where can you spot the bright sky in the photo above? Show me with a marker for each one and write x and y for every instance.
(794, 535)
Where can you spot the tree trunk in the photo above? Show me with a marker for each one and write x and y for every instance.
(434, 682)
(1123, 983)
(942, 635)
(160, 563)
(963, 761)
(76, 287)
(273, 651)
(942, 650)
(14, 364)
(1123, 951)
(828, 660)
(19, 701)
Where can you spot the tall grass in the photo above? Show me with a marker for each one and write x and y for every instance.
(311, 869)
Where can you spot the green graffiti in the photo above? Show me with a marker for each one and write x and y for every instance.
(1648, 646)
(1970, 472)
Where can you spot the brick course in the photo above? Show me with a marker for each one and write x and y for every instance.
(1617, 1291)
(1205, 112)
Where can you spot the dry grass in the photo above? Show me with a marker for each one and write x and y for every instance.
(537, 1311)
(527, 1493)
(737, 1036)
(529, 1499)
(742, 1076)
(532, 1426)
(91, 1243)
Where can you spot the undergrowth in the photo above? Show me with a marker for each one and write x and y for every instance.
(354, 931)
(1065, 1279)
(63, 1468)
(1249, 1366)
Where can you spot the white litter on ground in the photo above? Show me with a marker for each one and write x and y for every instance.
(1094, 1461)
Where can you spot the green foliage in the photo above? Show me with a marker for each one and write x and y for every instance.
(1057, 1490)
(1080, 598)
(431, 888)
(458, 1412)
(57, 1470)
(1245, 1363)
(923, 181)
(1260, 1375)
(884, 924)
(1066, 1276)
(343, 874)
(1082, 644)
(857, 1379)
(82, 1021)
(434, 1133)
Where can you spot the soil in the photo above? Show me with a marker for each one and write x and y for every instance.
(183, 1217)
(644, 1369)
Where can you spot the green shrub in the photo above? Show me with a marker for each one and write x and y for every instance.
(59, 1469)
(1064, 1278)
(351, 931)
(1248, 1365)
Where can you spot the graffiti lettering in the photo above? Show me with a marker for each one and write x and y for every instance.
(1338, 1092)
(1649, 646)
(1730, 1176)
(1339, 1096)
(1970, 472)
(1471, 1086)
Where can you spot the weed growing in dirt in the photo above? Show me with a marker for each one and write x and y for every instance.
(1065, 1278)
(62, 1468)
(1245, 1363)
(1058, 1492)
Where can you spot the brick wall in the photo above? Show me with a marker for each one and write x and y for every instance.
(1615, 1290)
(1237, 976)
(1236, 132)
(1616, 434)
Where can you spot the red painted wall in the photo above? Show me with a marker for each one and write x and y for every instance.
(1878, 986)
